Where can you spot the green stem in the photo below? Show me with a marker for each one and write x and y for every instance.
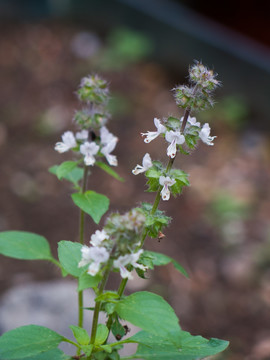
(154, 209)
(98, 304)
(81, 240)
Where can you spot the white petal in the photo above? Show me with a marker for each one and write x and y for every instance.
(82, 135)
(165, 193)
(89, 160)
(93, 268)
(147, 162)
(150, 136)
(171, 150)
(125, 274)
(61, 147)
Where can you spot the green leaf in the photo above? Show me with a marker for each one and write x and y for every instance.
(154, 223)
(65, 168)
(107, 296)
(87, 281)
(181, 179)
(187, 347)
(87, 349)
(73, 176)
(161, 259)
(106, 348)
(118, 329)
(24, 245)
(69, 254)
(92, 203)
(102, 334)
(28, 341)
(80, 334)
(109, 170)
(55, 354)
(173, 123)
(148, 311)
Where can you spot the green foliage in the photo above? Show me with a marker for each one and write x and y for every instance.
(69, 254)
(102, 334)
(117, 329)
(181, 180)
(173, 123)
(80, 334)
(87, 281)
(148, 311)
(154, 223)
(27, 342)
(107, 296)
(157, 259)
(73, 176)
(24, 245)
(109, 170)
(93, 203)
(55, 354)
(183, 347)
(192, 136)
(153, 175)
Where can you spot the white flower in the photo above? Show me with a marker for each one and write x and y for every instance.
(98, 237)
(174, 137)
(166, 182)
(106, 151)
(68, 142)
(82, 135)
(124, 260)
(94, 256)
(146, 164)
(109, 141)
(89, 150)
(151, 135)
(106, 137)
(192, 121)
(205, 135)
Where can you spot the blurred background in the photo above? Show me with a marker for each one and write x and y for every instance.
(220, 230)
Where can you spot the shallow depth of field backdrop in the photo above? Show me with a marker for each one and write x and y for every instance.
(220, 230)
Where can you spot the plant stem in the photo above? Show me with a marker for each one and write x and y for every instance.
(98, 304)
(81, 240)
(154, 209)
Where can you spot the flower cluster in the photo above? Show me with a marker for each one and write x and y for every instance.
(94, 92)
(119, 241)
(180, 134)
(102, 146)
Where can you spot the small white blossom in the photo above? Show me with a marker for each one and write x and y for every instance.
(124, 260)
(174, 137)
(109, 141)
(146, 164)
(98, 237)
(192, 121)
(82, 135)
(166, 182)
(94, 256)
(89, 149)
(106, 151)
(205, 135)
(106, 137)
(68, 142)
(151, 135)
